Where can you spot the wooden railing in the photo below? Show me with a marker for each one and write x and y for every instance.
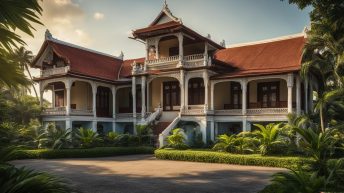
(54, 71)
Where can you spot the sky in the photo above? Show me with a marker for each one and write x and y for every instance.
(105, 25)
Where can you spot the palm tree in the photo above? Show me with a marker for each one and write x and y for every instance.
(87, 137)
(55, 138)
(269, 137)
(177, 139)
(225, 143)
(24, 57)
(14, 15)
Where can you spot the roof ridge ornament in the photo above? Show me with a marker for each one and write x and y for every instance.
(121, 55)
(169, 13)
(48, 35)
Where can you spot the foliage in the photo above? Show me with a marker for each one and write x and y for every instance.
(144, 133)
(197, 141)
(177, 139)
(23, 180)
(228, 158)
(55, 138)
(240, 143)
(270, 141)
(87, 137)
(83, 153)
(14, 15)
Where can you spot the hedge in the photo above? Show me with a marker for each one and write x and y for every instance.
(228, 158)
(82, 153)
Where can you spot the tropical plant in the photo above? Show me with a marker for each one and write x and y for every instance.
(55, 137)
(15, 15)
(23, 180)
(270, 141)
(177, 139)
(30, 134)
(224, 143)
(112, 136)
(87, 137)
(24, 57)
(319, 145)
(144, 133)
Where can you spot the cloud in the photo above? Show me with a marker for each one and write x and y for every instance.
(98, 16)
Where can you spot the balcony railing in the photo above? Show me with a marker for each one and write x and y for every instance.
(194, 110)
(124, 116)
(229, 112)
(84, 112)
(190, 61)
(268, 111)
(54, 111)
(54, 71)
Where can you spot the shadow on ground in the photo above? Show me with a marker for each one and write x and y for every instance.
(145, 174)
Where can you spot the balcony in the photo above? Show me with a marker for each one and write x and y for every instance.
(54, 111)
(267, 111)
(54, 71)
(81, 112)
(190, 61)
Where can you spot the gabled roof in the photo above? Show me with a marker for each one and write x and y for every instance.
(83, 61)
(275, 56)
(165, 12)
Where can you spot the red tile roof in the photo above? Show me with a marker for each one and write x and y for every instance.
(264, 58)
(126, 67)
(167, 25)
(85, 62)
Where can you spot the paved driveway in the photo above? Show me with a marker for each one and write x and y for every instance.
(145, 174)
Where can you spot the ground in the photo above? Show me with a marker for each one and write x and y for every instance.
(146, 174)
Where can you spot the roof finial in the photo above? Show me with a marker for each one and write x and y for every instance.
(165, 4)
(121, 56)
(223, 43)
(48, 35)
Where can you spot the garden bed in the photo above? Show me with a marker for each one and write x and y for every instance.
(228, 158)
(82, 153)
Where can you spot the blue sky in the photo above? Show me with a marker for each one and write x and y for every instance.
(104, 25)
(235, 21)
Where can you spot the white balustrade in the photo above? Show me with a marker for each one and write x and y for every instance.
(265, 111)
(55, 71)
(229, 112)
(124, 115)
(190, 61)
(54, 111)
(86, 112)
(166, 132)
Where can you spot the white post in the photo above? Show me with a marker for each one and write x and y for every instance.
(290, 84)
(244, 96)
(68, 88)
(182, 91)
(181, 51)
(157, 48)
(212, 130)
(143, 97)
(148, 102)
(298, 95)
(94, 99)
(212, 86)
(244, 124)
(113, 89)
(206, 80)
(94, 125)
(133, 92)
(68, 124)
(114, 126)
(53, 98)
(186, 92)
(205, 57)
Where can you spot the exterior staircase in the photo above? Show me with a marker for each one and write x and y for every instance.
(163, 135)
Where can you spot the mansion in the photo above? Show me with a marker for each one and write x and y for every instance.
(185, 80)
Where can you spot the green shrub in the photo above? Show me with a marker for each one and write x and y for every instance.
(177, 140)
(82, 153)
(223, 157)
(87, 137)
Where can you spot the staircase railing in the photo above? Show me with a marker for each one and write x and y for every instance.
(166, 132)
(153, 116)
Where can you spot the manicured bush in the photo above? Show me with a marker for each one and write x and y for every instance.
(228, 158)
(82, 153)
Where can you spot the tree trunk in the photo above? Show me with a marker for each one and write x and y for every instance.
(34, 89)
(322, 120)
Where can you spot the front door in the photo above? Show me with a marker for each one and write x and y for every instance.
(171, 96)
